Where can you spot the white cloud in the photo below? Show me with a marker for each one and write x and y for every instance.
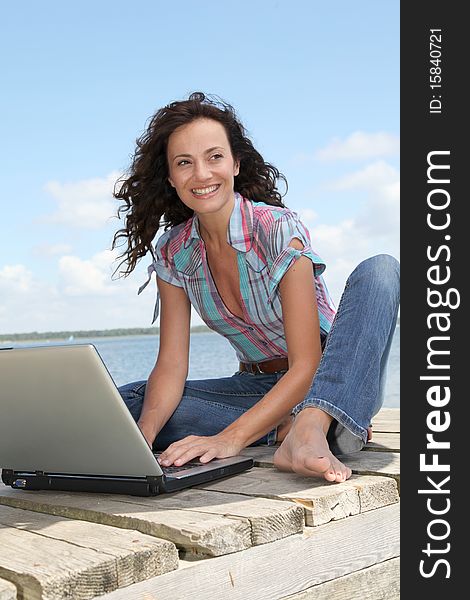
(84, 277)
(344, 246)
(381, 215)
(370, 177)
(307, 216)
(84, 297)
(17, 276)
(86, 204)
(373, 230)
(341, 239)
(30, 304)
(25, 301)
(360, 145)
(380, 182)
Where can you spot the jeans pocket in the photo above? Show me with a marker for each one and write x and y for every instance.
(243, 374)
(139, 388)
(280, 374)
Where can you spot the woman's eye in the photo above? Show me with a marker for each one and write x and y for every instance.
(182, 162)
(217, 156)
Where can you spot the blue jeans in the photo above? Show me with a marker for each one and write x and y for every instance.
(348, 384)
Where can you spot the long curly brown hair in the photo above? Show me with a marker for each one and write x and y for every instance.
(150, 202)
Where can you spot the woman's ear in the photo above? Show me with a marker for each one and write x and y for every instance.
(171, 182)
(236, 168)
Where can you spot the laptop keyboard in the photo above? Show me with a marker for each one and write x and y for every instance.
(174, 469)
(170, 470)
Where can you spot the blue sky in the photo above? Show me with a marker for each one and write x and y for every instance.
(316, 84)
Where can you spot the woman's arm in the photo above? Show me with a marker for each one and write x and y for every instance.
(302, 331)
(166, 382)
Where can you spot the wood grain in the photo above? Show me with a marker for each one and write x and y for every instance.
(51, 557)
(322, 501)
(379, 582)
(387, 420)
(383, 442)
(362, 463)
(196, 521)
(7, 590)
(283, 568)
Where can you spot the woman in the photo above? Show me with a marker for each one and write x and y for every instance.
(307, 378)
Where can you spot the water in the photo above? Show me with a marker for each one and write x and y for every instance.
(131, 358)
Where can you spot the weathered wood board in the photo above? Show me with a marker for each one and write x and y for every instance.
(387, 420)
(283, 568)
(379, 582)
(322, 501)
(362, 463)
(196, 521)
(373, 463)
(53, 557)
(383, 442)
(7, 590)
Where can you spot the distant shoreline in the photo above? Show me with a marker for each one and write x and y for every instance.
(34, 336)
(54, 336)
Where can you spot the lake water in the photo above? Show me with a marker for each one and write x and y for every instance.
(131, 358)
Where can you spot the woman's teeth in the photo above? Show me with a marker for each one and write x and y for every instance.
(203, 191)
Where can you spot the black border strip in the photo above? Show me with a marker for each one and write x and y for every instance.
(433, 252)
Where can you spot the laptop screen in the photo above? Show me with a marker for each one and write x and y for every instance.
(61, 412)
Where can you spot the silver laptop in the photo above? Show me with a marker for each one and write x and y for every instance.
(64, 426)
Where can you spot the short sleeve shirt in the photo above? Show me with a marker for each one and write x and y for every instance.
(260, 233)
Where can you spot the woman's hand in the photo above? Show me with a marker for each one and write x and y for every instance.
(221, 445)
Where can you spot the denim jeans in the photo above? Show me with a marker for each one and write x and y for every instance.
(348, 384)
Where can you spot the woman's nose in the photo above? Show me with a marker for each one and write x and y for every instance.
(201, 171)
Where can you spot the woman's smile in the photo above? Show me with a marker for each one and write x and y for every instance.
(206, 192)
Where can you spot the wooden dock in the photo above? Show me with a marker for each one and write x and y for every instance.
(259, 535)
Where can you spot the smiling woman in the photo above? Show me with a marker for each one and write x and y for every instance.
(231, 249)
(151, 200)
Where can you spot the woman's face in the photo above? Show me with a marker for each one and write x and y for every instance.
(201, 165)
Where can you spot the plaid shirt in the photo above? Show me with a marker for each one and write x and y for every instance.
(260, 234)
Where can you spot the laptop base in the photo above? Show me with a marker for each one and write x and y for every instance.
(148, 486)
(131, 486)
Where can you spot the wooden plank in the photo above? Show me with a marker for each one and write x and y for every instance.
(374, 463)
(196, 521)
(363, 463)
(383, 442)
(379, 582)
(322, 501)
(52, 557)
(288, 566)
(7, 590)
(270, 520)
(387, 420)
(212, 534)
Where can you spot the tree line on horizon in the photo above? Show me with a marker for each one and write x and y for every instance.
(91, 333)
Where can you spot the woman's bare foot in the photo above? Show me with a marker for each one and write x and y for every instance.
(305, 449)
(284, 428)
